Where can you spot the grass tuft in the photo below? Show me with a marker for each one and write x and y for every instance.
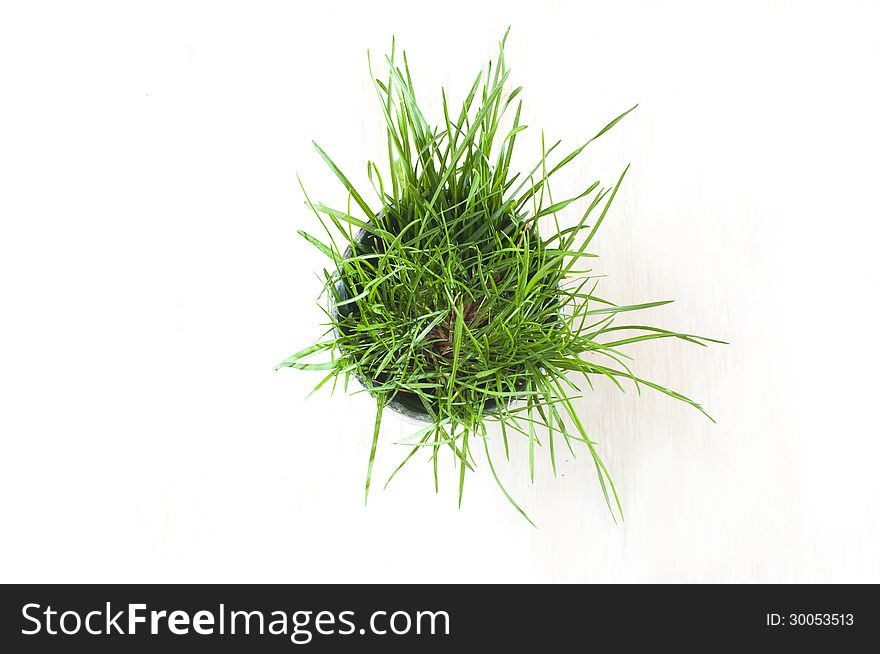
(448, 302)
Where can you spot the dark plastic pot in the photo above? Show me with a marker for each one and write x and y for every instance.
(404, 403)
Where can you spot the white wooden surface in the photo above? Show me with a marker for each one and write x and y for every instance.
(152, 276)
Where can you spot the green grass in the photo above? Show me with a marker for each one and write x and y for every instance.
(447, 298)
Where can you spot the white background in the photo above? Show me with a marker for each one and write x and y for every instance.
(152, 276)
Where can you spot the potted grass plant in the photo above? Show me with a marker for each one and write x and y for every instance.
(448, 302)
